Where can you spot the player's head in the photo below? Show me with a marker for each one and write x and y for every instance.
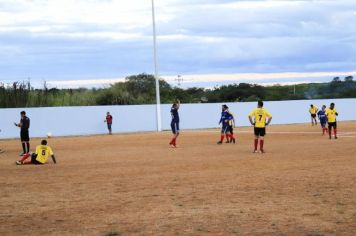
(323, 107)
(44, 142)
(332, 105)
(107, 113)
(260, 104)
(311, 105)
(22, 113)
(174, 105)
(224, 107)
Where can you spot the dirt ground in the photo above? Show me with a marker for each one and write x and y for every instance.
(134, 184)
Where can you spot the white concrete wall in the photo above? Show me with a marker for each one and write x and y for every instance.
(63, 121)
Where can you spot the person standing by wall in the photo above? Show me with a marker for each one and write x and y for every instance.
(175, 123)
(108, 121)
(24, 126)
(331, 115)
(259, 118)
(313, 111)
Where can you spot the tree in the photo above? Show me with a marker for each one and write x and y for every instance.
(349, 78)
(336, 79)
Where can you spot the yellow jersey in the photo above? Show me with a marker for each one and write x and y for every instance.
(313, 110)
(232, 122)
(43, 152)
(331, 115)
(260, 115)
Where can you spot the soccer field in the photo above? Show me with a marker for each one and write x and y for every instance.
(134, 184)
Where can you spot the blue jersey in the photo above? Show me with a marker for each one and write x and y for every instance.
(175, 115)
(225, 117)
(322, 116)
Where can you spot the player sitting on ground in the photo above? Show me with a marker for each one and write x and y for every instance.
(313, 110)
(322, 119)
(259, 116)
(331, 115)
(40, 157)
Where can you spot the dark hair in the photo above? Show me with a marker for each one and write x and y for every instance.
(260, 103)
(44, 142)
(225, 106)
(332, 104)
(23, 113)
(311, 105)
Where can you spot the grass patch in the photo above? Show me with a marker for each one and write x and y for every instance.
(112, 233)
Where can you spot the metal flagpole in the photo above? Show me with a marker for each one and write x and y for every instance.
(158, 100)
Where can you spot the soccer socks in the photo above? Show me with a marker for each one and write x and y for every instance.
(25, 156)
(335, 132)
(28, 146)
(24, 147)
(261, 144)
(173, 141)
(222, 137)
(256, 143)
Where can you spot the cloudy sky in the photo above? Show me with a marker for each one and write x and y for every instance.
(207, 42)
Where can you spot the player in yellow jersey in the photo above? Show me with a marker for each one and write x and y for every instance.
(231, 138)
(39, 157)
(259, 118)
(331, 115)
(313, 110)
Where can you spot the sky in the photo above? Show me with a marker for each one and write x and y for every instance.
(70, 43)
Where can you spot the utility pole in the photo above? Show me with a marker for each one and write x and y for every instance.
(156, 75)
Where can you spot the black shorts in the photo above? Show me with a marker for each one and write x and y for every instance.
(313, 115)
(25, 137)
(33, 159)
(332, 124)
(260, 131)
(231, 129)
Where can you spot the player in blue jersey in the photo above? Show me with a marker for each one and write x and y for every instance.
(322, 119)
(175, 123)
(225, 120)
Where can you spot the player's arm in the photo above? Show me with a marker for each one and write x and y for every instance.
(18, 124)
(54, 159)
(269, 120)
(251, 121)
(178, 103)
(269, 116)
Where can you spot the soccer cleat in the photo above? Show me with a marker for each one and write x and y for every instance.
(255, 151)
(219, 142)
(227, 141)
(262, 151)
(18, 162)
(329, 137)
(335, 137)
(233, 140)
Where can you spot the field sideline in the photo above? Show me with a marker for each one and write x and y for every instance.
(134, 184)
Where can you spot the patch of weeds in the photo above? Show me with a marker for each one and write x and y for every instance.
(112, 233)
